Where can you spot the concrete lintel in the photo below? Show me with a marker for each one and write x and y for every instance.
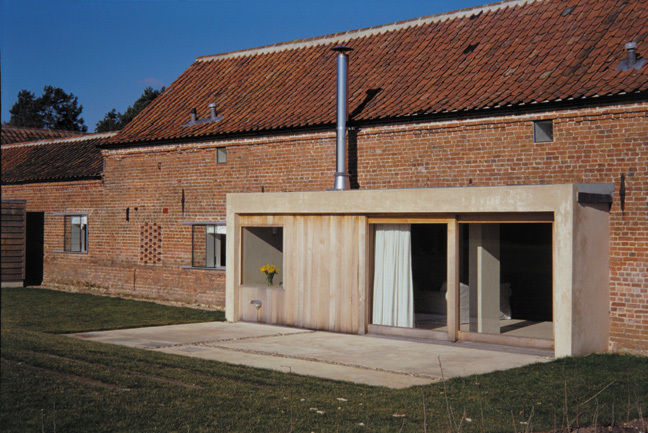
(522, 198)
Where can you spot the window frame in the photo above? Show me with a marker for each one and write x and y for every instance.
(221, 155)
(537, 125)
(217, 251)
(241, 270)
(83, 235)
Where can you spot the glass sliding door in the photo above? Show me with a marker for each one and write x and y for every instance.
(429, 270)
(393, 297)
(506, 270)
(409, 278)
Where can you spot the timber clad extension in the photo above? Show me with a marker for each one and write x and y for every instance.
(442, 101)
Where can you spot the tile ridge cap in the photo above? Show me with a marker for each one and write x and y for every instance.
(363, 32)
(85, 137)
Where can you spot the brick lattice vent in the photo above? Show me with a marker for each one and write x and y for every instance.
(150, 244)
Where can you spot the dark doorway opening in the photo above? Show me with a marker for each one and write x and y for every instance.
(34, 251)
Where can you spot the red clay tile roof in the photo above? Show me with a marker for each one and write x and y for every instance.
(53, 160)
(503, 55)
(20, 134)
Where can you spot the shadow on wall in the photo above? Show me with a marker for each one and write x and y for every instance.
(352, 138)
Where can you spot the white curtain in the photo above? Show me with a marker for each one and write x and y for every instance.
(393, 292)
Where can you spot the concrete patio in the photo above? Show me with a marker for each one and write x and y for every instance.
(366, 359)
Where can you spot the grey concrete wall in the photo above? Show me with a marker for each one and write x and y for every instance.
(590, 315)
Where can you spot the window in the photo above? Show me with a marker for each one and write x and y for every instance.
(221, 155)
(507, 279)
(262, 246)
(76, 233)
(543, 131)
(208, 245)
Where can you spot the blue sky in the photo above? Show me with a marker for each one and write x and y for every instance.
(107, 52)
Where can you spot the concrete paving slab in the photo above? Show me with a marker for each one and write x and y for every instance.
(364, 376)
(371, 360)
(401, 356)
(185, 334)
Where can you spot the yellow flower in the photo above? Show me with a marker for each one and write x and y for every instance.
(263, 268)
(271, 269)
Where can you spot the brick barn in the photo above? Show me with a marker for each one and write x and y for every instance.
(497, 159)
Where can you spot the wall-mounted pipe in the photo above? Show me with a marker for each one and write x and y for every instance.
(341, 173)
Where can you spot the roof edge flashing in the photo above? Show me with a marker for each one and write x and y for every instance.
(342, 37)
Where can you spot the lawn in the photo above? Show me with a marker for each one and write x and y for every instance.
(51, 382)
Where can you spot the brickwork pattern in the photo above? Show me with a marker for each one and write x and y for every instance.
(150, 244)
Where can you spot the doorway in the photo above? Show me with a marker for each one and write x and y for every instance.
(34, 248)
(410, 275)
(502, 279)
(506, 279)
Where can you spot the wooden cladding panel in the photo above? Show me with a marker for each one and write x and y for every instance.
(323, 288)
(12, 242)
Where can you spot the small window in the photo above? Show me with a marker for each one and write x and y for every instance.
(208, 245)
(76, 233)
(262, 260)
(221, 155)
(543, 131)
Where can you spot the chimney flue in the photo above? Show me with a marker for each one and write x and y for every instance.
(341, 174)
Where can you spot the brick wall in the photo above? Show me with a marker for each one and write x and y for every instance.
(590, 145)
(61, 269)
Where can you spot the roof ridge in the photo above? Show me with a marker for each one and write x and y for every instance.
(367, 31)
(84, 137)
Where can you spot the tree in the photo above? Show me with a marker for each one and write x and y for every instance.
(54, 109)
(61, 110)
(114, 121)
(25, 111)
(110, 122)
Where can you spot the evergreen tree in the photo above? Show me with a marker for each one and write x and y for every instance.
(54, 109)
(114, 121)
(25, 112)
(61, 110)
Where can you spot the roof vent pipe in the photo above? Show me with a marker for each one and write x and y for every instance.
(631, 62)
(341, 174)
(192, 119)
(212, 111)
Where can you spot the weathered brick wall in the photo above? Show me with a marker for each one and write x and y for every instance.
(62, 269)
(590, 145)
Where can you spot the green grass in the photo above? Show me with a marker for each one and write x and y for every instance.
(52, 382)
(60, 312)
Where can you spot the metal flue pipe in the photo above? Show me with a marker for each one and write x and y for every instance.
(341, 173)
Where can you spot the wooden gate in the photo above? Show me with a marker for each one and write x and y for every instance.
(13, 243)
